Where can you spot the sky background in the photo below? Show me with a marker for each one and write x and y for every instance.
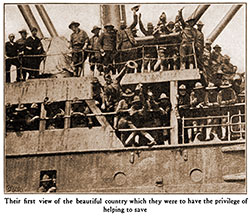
(232, 39)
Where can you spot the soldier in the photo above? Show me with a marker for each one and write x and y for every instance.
(216, 58)
(188, 35)
(112, 91)
(107, 44)
(78, 42)
(47, 185)
(237, 84)
(78, 114)
(227, 68)
(137, 115)
(199, 45)
(125, 41)
(21, 42)
(211, 101)
(150, 27)
(226, 96)
(32, 117)
(54, 113)
(97, 90)
(11, 52)
(177, 27)
(95, 57)
(183, 97)
(197, 96)
(208, 73)
(217, 78)
(19, 122)
(34, 48)
(197, 100)
(164, 108)
(162, 26)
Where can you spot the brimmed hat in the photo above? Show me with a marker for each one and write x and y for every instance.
(163, 96)
(200, 23)
(211, 86)
(46, 178)
(225, 84)
(220, 72)
(208, 41)
(95, 28)
(23, 31)
(94, 80)
(216, 46)
(21, 107)
(34, 106)
(182, 87)
(226, 57)
(73, 23)
(150, 25)
(136, 8)
(136, 99)
(138, 87)
(108, 25)
(170, 23)
(198, 85)
(128, 93)
(33, 29)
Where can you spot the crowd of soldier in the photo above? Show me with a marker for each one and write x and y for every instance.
(110, 50)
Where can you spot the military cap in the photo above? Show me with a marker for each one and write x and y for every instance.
(150, 25)
(138, 87)
(11, 35)
(23, 31)
(94, 80)
(211, 86)
(163, 96)
(136, 99)
(200, 23)
(225, 84)
(136, 8)
(170, 23)
(236, 77)
(208, 41)
(198, 85)
(226, 57)
(21, 107)
(34, 106)
(128, 93)
(216, 46)
(108, 25)
(95, 28)
(33, 29)
(182, 87)
(73, 23)
(220, 72)
(46, 178)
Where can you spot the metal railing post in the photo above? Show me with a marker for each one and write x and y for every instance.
(228, 126)
(143, 59)
(182, 127)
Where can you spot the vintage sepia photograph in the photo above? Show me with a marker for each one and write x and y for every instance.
(119, 98)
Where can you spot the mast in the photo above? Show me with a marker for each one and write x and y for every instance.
(30, 19)
(47, 21)
(223, 23)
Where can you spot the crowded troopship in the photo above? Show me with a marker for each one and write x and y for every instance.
(209, 109)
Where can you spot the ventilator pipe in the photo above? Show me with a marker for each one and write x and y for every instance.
(30, 19)
(47, 21)
(131, 64)
(223, 23)
(199, 11)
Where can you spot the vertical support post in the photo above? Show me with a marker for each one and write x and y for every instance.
(240, 123)
(173, 114)
(182, 128)
(143, 59)
(67, 114)
(42, 123)
(228, 126)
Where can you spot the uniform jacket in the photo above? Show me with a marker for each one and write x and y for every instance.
(78, 39)
(33, 46)
(21, 44)
(227, 96)
(11, 49)
(199, 42)
(107, 41)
